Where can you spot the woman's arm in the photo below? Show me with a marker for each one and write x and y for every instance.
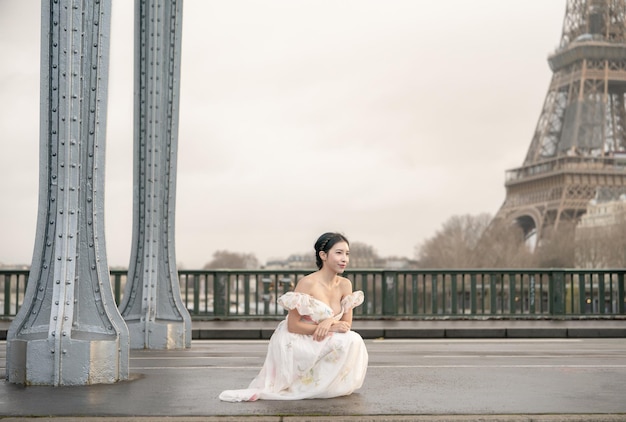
(318, 331)
(345, 323)
(296, 326)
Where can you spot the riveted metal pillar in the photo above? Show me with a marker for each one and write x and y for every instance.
(152, 305)
(69, 330)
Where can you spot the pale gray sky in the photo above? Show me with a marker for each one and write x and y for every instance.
(380, 119)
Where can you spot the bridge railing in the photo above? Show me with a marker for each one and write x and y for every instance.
(504, 293)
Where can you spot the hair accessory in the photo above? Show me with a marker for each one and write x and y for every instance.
(325, 243)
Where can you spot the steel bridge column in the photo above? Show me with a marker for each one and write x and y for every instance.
(68, 330)
(152, 305)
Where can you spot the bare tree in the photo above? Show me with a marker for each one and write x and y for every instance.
(503, 246)
(454, 246)
(556, 249)
(232, 260)
(591, 245)
(602, 246)
(476, 242)
(364, 256)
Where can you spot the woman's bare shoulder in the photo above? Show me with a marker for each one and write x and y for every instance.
(345, 285)
(304, 284)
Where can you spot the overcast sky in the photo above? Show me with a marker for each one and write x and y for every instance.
(380, 119)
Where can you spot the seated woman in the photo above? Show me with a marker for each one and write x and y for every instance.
(313, 353)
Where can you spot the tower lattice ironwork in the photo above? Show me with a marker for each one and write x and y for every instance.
(578, 151)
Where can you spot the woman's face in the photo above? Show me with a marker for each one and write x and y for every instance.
(337, 257)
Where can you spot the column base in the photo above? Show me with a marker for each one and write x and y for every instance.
(92, 359)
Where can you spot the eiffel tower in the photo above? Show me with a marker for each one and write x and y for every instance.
(578, 151)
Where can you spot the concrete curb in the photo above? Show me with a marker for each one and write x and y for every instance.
(420, 329)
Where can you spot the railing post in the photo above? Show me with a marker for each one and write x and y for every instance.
(415, 300)
(473, 295)
(493, 295)
(196, 293)
(117, 282)
(246, 294)
(621, 298)
(434, 294)
(453, 293)
(557, 292)
(512, 293)
(267, 284)
(390, 300)
(582, 294)
(601, 294)
(7, 294)
(220, 298)
(531, 294)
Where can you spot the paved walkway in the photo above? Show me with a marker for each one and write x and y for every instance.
(534, 377)
(544, 380)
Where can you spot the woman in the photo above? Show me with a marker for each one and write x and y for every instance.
(313, 353)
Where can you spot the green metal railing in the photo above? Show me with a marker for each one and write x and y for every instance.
(529, 293)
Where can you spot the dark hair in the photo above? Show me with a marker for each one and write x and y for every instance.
(325, 243)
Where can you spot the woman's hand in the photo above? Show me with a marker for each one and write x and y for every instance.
(340, 327)
(323, 329)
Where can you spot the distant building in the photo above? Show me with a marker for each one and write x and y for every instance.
(293, 262)
(603, 213)
(400, 264)
(600, 233)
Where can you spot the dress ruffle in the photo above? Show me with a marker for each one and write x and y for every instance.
(308, 305)
(352, 301)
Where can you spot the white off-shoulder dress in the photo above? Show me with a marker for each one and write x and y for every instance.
(299, 367)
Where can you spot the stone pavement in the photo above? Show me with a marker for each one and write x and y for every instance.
(570, 371)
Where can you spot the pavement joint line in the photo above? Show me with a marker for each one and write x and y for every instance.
(147, 368)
